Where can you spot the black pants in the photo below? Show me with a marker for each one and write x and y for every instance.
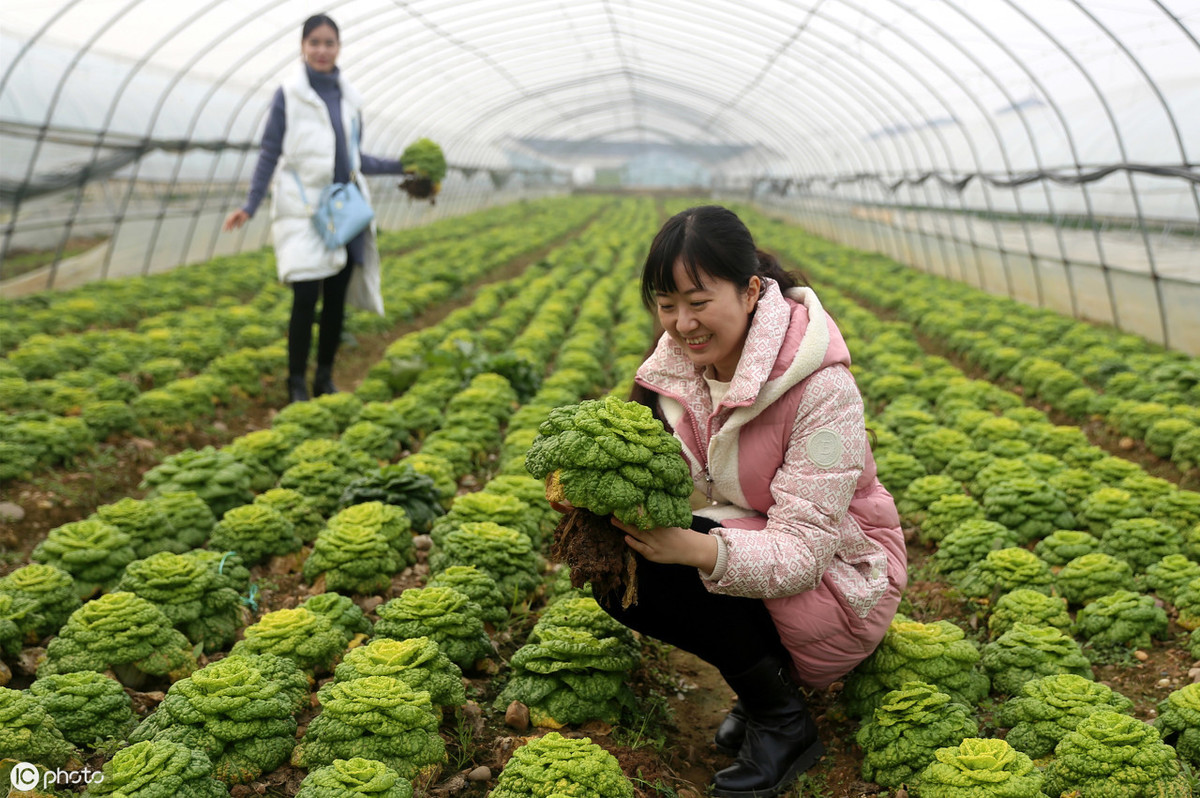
(732, 633)
(332, 292)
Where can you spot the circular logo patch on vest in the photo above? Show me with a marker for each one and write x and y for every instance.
(825, 447)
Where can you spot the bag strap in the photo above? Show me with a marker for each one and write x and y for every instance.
(300, 185)
(353, 147)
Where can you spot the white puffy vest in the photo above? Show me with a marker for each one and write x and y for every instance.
(308, 151)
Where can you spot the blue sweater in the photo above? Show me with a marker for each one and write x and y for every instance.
(326, 86)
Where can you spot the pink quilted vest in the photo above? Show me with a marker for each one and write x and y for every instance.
(833, 615)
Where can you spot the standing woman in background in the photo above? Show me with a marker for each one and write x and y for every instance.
(315, 126)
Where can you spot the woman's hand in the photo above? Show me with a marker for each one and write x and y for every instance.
(672, 545)
(235, 220)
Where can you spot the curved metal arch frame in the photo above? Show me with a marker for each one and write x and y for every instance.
(179, 161)
(123, 212)
(1032, 76)
(943, 103)
(878, 103)
(987, 72)
(629, 72)
(832, 111)
(835, 110)
(899, 88)
(879, 121)
(271, 75)
(406, 7)
(51, 108)
(1117, 137)
(805, 158)
(915, 74)
(1155, 276)
(200, 109)
(118, 97)
(160, 105)
(999, 139)
(1106, 269)
(365, 70)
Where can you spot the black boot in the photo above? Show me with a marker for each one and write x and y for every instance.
(732, 731)
(781, 737)
(323, 381)
(296, 390)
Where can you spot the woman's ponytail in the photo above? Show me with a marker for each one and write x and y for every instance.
(768, 266)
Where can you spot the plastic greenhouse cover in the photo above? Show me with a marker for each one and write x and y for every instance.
(828, 89)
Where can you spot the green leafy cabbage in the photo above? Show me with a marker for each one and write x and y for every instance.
(1122, 618)
(442, 614)
(574, 667)
(1178, 721)
(1046, 708)
(1026, 652)
(936, 653)
(614, 458)
(418, 662)
(1115, 756)
(238, 711)
(92, 552)
(907, 727)
(555, 765)
(355, 778)
(28, 733)
(981, 768)
(119, 629)
(86, 706)
(158, 770)
(194, 598)
(375, 717)
(308, 639)
(51, 591)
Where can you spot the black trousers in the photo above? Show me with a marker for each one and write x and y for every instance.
(732, 633)
(332, 293)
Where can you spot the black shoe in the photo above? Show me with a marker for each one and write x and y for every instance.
(732, 731)
(296, 390)
(323, 381)
(781, 737)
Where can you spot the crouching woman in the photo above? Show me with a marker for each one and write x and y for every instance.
(794, 564)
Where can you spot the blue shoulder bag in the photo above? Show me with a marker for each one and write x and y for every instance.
(342, 211)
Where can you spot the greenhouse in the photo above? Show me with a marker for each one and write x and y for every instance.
(432, 566)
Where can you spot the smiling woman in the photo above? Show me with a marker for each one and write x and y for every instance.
(710, 318)
(792, 566)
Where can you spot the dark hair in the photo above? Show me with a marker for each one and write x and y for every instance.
(709, 240)
(316, 21)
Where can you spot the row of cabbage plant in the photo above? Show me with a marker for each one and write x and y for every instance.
(63, 394)
(1137, 389)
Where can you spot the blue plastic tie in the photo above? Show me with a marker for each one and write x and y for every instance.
(251, 600)
(221, 567)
